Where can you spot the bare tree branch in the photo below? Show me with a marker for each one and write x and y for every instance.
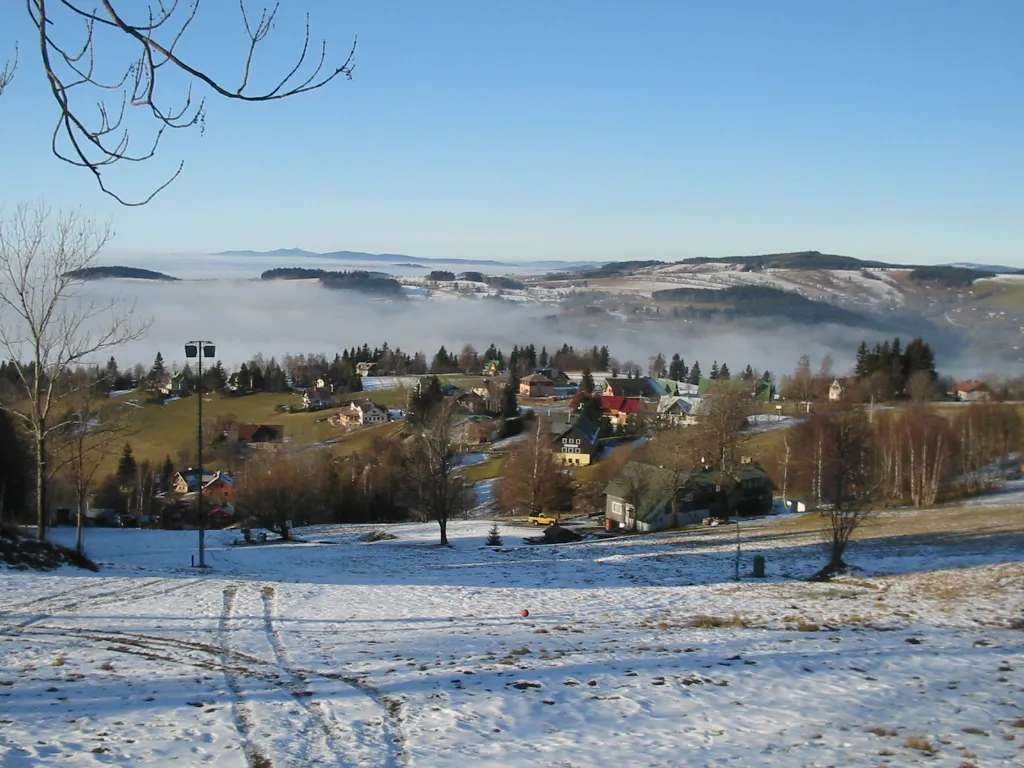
(139, 42)
(7, 73)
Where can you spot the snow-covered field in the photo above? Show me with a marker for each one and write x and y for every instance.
(636, 651)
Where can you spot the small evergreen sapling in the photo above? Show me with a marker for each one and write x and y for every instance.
(493, 537)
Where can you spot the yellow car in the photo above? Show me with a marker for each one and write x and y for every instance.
(542, 519)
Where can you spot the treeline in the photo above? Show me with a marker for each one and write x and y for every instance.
(374, 283)
(795, 260)
(915, 456)
(102, 273)
(759, 301)
(949, 277)
(888, 370)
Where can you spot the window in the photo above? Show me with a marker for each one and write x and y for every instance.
(617, 507)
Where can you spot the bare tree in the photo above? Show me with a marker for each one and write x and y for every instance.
(434, 485)
(278, 489)
(636, 478)
(721, 419)
(46, 327)
(124, 51)
(469, 360)
(89, 434)
(841, 443)
(533, 481)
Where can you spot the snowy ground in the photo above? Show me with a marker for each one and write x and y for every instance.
(636, 651)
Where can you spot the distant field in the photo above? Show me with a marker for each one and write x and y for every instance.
(162, 430)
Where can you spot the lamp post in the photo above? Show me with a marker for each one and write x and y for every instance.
(199, 350)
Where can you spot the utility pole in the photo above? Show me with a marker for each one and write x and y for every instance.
(199, 350)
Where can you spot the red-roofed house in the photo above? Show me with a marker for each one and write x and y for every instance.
(617, 408)
(971, 391)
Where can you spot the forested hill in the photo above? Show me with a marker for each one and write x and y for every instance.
(797, 260)
(107, 273)
(372, 283)
(760, 301)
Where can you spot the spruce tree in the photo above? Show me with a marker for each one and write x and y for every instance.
(493, 536)
(714, 370)
(695, 373)
(126, 464)
(587, 382)
(723, 372)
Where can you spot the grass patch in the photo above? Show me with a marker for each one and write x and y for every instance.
(718, 622)
(974, 731)
(163, 429)
(485, 470)
(920, 743)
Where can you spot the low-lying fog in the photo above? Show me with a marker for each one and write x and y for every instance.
(245, 317)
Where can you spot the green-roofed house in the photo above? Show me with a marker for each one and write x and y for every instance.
(762, 391)
(640, 497)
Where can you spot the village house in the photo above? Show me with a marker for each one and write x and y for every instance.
(641, 496)
(365, 369)
(575, 442)
(617, 409)
(644, 497)
(218, 487)
(835, 392)
(362, 413)
(172, 385)
(258, 436)
(536, 385)
(644, 388)
(471, 401)
(677, 411)
(493, 394)
(558, 377)
(492, 368)
(678, 388)
(317, 397)
(971, 392)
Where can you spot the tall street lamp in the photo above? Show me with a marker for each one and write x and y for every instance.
(199, 350)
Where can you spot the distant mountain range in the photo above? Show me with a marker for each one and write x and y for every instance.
(405, 260)
(999, 269)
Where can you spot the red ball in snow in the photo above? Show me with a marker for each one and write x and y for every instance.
(524, 613)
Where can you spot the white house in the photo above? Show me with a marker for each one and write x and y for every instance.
(835, 392)
(363, 413)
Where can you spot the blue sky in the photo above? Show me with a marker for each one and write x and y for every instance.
(586, 130)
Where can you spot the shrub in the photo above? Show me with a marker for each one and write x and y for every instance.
(920, 743)
(378, 535)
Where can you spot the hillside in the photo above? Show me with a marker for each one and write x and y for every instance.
(759, 301)
(115, 272)
(373, 283)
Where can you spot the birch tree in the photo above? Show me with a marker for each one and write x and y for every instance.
(46, 327)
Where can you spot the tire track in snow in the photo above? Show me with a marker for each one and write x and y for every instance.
(130, 592)
(241, 711)
(392, 733)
